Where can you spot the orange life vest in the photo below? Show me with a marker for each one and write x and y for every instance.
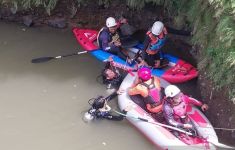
(156, 42)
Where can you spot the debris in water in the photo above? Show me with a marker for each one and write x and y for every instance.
(104, 143)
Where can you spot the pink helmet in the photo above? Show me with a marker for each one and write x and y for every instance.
(144, 73)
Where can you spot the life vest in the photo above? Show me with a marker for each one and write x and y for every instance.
(180, 110)
(111, 37)
(153, 93)
(157, 42)
(98, 37)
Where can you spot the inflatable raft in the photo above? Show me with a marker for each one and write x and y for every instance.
(178, 70)
(161, 136)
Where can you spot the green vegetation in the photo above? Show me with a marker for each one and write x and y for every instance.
(214, 31)
(30, 4)
(212, 23)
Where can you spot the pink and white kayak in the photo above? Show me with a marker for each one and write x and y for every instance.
(161, 136)
(178, 70)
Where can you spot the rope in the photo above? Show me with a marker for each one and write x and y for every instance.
(226, 129)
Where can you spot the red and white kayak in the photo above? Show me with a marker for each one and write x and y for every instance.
(178, 70)
(160, 135)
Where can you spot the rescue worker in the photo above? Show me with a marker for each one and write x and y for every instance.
(175, 107)
(154, 41)
(150, 90)
(109, 38)
(101, 110)
(111, 76)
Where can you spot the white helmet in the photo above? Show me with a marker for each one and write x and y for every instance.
(157, 27)
(171, 91)
(110, 22)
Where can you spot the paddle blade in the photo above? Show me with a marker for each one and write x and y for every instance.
(42, 59)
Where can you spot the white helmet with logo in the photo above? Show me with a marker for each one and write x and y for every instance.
(157, 27)
(171, 91)
(110, 22)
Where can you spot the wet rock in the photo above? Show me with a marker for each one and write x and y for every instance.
(8, 14)
(57, 23)
(5, 12)
(28, 20)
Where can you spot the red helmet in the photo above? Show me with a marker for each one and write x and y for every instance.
(144, 73)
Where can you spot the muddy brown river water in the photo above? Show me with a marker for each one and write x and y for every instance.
(41, 104)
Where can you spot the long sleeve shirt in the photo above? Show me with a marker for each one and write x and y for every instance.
(169, 112)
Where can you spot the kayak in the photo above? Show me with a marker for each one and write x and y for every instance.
(177, 71)
(163, 137)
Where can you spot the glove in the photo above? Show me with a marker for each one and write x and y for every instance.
(204, 107)
(188, 126)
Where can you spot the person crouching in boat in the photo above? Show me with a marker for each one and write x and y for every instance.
(111, 75)
(154, 41)
(150, 90)
(175, 107)
(101, 110)
(109, 38)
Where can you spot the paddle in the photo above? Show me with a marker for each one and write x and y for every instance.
(156, 123)
(176, 129)
(46, 59)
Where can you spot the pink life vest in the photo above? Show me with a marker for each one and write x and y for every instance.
(180, 110)
(153, 93)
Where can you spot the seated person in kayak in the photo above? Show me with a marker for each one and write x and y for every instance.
(175, 107)
(111, 75)
(148, 87)
(101, 110)
(154, 41)
(109, 38)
